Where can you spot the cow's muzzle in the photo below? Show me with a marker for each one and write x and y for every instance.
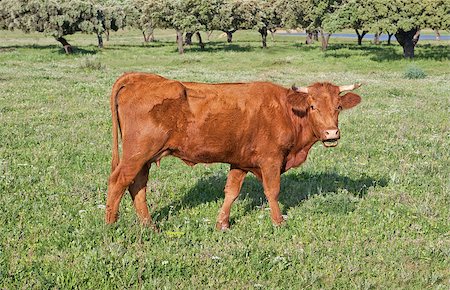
(330, 137)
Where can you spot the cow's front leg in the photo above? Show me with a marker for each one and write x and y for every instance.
(271, 183)
(232, 188)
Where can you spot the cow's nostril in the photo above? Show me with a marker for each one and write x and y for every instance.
(331, 134)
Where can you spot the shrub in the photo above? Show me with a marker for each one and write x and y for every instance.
(413, 72)
(91, 63)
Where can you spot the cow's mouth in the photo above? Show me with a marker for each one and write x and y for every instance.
(330, 142)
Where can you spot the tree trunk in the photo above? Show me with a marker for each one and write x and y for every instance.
(145, 36)
(376, 38)
(408, 40)
(272, 34)
(438, 34)
(180, 41)
(100, 40)
(316, 35)
(389, 38)
(150, 36)
(360, 36)
(200, 42)
(107, 34)
(67, 47)
(325, 38)
(208, 34)
(188, 38)
(309, 37)
(229, 36)
(416, 37)
(263, 32)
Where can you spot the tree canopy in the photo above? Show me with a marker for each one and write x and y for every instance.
(404, 18)
(61, 18)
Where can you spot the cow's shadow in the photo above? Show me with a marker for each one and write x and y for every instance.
(295, 188)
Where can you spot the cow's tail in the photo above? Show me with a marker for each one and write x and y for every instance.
(118, 86)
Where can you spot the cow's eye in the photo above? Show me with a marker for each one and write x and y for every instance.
(339, 108)
(312, 107)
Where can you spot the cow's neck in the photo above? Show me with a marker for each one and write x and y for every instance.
(304, 140)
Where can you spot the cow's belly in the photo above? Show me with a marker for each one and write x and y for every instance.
(219, 141)
(192, 155)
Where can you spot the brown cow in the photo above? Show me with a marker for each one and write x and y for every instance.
(257, 127)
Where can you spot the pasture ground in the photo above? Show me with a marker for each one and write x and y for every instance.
(370, 213)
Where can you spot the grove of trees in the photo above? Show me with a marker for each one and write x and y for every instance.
(59, 18)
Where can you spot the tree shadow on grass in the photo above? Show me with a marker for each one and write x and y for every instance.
(194, 47)
(55, 48)
(433, 52)
(306, 47)
(220, 46)
(79, 51)
(150, 44)
(377, 53)
(295, 188)
(381, 53)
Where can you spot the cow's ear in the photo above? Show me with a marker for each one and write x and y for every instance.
(299, 103)
(349, 100)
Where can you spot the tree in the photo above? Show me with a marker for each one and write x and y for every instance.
(176, 14)
(272, 16)
(113, 16)
(5, 11)
(204, 12)
(229, 18)
(294, 16)
(355, 14)
(319, 13)
(437, 14)
(405, 18)
(381, 23)
(137, 18)
(261, 16)
(312, 15)
(55, 18)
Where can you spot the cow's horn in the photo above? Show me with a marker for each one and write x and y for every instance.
(349, 87)
(300, 89)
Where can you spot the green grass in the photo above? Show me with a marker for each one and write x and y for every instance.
(370, 213)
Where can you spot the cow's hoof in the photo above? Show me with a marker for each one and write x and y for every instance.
(152, 226)
(280, 222)
(111, 219)
(148, 223)
(221, 226)
(279, 225)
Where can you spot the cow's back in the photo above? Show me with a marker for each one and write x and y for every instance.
(148, 90)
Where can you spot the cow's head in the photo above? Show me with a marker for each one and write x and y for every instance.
(322, 103)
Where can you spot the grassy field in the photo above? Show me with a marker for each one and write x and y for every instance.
(370, 213)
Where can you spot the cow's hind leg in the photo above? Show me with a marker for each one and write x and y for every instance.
(138, 191)
(131, 169)
(232, 188)
(119, 180)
